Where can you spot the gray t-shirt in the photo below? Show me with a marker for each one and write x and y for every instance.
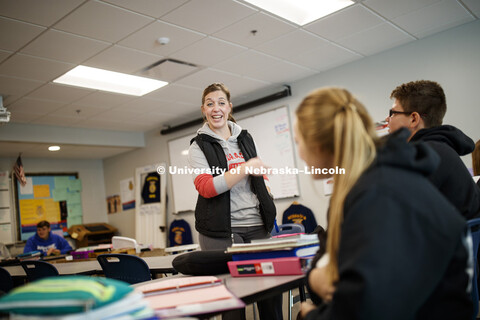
(244, 204)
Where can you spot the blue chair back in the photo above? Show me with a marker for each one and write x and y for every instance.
(124, 267)
(6, 282)
(288, 228)
(36, 269)
(474, 226)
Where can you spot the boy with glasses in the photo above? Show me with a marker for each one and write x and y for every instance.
(420, 107)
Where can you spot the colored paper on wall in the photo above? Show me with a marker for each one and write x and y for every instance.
(28, 188)
(73, 198)
(59, 194)
(75, 185)
(61, 182)
(41, 191)
(71, 221)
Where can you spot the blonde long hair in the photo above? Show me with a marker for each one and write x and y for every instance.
(332, 120)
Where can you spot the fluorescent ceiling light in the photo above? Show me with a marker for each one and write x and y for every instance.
(105, 80)
(301, 12)
(53, 148)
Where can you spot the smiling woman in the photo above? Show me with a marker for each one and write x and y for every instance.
(234, 206)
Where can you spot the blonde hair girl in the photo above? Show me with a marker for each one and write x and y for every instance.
(333, 121)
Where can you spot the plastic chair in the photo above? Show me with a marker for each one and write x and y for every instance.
(6, 281)
(288, 228)
(36, 269)
(124, 267)
(474, 226)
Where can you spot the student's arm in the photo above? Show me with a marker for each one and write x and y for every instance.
(29, 246)
(234, 178)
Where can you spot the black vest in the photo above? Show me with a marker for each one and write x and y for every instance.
(213, 215)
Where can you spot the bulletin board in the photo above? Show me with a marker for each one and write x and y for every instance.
(55, 197)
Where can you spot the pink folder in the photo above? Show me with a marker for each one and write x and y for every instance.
(269, 267)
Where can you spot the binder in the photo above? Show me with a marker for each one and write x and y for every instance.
(306, 251)
(269, 267)
(186, 296)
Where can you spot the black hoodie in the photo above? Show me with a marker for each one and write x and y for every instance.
(402, 253)
(452, 177)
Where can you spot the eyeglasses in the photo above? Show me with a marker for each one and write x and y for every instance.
(392, 112)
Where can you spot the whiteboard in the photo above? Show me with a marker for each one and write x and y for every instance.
(272, 133)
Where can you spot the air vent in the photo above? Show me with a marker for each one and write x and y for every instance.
(169, 70)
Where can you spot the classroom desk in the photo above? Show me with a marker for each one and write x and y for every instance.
(253, 289)
(157, 264)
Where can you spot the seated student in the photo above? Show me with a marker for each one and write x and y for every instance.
(396, 246)
(47, 242)
(420, 107)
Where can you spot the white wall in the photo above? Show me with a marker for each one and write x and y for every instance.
(452, 58)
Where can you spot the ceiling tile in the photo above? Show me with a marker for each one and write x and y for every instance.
(90, 20)
(112, 114)
(56, 120)
(63, 46)
(325, 56)
(29, 67)
(16, 87)
(140, 105)
(264, 67)
(473, 5)
(393, 8)
(152, 8)
(146, 38)
(208, 51)
(156, 118)
(45, 12)
(176, 92)
(4, 55)
(236, 84)
(291, 44)
(24, 33)
(434, 18)
(266, 27)
(208, 16)
(334, 27)
(80, 112)
(12, 149)
(102, 99)
(35, 106)
(122, 59)
(95, 123)
(379, 38)
(175, 108)
(59, 92)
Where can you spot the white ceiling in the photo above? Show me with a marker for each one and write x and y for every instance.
(41, 40)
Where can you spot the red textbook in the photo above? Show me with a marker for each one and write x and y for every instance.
(269, 267)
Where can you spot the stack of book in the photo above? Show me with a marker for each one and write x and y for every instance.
(286, 255)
